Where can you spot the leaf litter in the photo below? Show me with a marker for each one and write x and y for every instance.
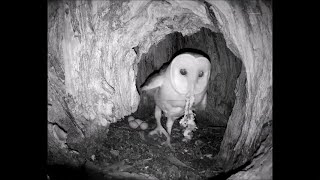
(125, 153)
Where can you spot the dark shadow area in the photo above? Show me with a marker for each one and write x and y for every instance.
(225, 70)
(59, 172)
(226, 175)
(190, 50)
(84, 172)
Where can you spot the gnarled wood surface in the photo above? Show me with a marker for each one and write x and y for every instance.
(94, 48)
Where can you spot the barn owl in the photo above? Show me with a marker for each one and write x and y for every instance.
(186, 76)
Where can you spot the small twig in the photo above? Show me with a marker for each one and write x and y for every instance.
(177, 162)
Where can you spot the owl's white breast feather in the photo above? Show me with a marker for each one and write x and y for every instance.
(184, 80)
(166, 85)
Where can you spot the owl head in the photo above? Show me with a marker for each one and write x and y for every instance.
(190, 73)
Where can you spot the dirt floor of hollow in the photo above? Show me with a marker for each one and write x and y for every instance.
(126, 153)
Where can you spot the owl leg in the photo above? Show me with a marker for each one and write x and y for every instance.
(169, 124)
(159, 129)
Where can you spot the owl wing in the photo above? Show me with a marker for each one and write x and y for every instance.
(155, 80)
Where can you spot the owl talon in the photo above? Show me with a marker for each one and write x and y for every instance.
(167, 143)
(159, 131)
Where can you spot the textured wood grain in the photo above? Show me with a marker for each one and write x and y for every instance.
(94, 41)
(95, 48)
(247, 28)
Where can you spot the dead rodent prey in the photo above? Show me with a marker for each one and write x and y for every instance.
(188, 119)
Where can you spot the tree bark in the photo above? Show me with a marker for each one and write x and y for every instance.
(94, 48)
(247, 28)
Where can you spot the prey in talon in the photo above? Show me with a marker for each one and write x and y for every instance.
(178, 88)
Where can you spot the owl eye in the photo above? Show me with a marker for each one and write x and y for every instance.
(201, 74)
(183, 72)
